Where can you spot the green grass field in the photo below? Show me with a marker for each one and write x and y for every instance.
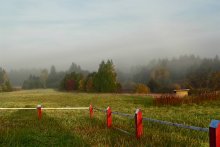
(75, 128)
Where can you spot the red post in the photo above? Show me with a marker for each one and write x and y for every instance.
(138, 123)
(39, 111)
(109, 117)
(91, 111)
(214, 133)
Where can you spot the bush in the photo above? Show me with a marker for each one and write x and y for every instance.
(141, 88)
(165, 100)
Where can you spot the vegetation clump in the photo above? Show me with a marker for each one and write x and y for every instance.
(166, 100)
(5, 85)
(141, 88)
(102, 81)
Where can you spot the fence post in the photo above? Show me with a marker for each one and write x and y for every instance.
(39, 111)
(91, 111)
(138, 123)
(109, 117)
(214, 133)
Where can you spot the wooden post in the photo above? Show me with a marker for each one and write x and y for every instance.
(138, 123)
(109, 117)
(91, 111)
(39, 111)
(214, 133)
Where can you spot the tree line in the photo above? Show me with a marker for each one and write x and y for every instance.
(165, 75)
(162, 75)
(104, 80)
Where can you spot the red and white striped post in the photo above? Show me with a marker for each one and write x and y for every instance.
(39, 111)
(109, 117)
(214, 133)
(138, 123)
(91, 111)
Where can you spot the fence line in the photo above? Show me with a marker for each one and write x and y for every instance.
(120, 114)
(18, 108)
(159, 121)
(67, 108)
(214, 127)
(177, 125)
(98, 109)
(117, 113)
(73, 108)
(123, 131)
(123, 114)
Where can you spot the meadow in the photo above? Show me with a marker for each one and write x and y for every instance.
(75, 128)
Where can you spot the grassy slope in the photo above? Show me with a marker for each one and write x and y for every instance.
(74, 128)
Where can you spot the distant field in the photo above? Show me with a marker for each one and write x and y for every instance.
(74, 127)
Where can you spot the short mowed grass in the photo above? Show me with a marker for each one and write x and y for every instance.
(75, 128)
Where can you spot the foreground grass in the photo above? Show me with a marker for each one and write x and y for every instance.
(74, 127)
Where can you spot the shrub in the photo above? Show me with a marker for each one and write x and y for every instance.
(141, 88)
(164, 100)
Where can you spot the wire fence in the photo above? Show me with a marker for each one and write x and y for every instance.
(213, 128)
(120, 114)
(177, 125)
(158, 121)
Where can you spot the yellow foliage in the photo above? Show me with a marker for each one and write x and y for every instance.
(141, 88)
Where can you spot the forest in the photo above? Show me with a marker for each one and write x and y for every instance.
(158, 76)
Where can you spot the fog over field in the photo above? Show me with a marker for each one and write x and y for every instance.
(43, 33)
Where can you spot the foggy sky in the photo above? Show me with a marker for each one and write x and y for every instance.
(41, 33)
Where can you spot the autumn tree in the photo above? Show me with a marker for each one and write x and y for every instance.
(214, 81)
(72, 81)
(89, 82)
(142, 88)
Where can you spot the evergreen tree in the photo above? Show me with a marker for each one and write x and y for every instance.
(4, 81)
(54, 78)
(74, 68)
(33, 82)
(105, 79)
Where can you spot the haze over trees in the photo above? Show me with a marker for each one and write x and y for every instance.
(54, 78)
(5, 85)
(33, 82)
(162, 75)
(17, 77)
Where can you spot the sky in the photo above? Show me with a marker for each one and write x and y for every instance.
(41, 33)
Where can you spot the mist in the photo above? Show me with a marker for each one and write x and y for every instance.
(38, 34)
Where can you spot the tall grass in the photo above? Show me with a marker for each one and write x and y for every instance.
(196, 99)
